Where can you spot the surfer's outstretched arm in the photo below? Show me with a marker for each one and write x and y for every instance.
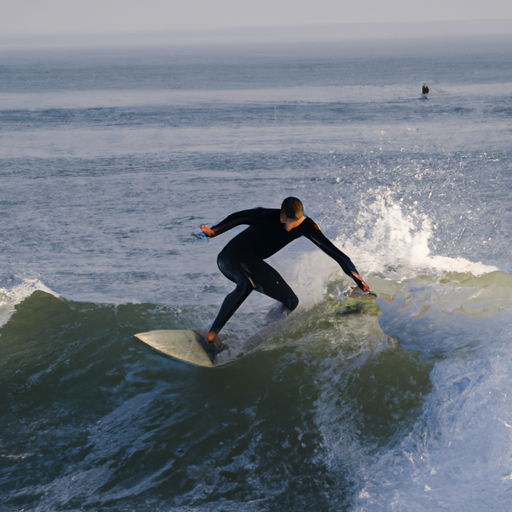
(235, 219)
(318, 238)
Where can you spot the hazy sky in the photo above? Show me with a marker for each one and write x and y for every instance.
(55, 17)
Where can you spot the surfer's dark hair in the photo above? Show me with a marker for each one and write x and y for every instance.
(292, 208)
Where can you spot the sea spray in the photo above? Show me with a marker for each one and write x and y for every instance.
(392, 239)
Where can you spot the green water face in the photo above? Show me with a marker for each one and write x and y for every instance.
(92, 419)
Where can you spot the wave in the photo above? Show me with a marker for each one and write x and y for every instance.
(344, 403)
(91, 418)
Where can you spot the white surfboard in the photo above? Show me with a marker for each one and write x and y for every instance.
(184, 345)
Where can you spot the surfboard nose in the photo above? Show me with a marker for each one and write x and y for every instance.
(182, 344)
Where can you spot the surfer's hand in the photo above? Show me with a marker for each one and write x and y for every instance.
(202, 236)
(207, 231)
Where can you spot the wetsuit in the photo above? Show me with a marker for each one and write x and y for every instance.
(241, 261)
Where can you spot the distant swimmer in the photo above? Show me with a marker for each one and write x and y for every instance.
(425, 89)
(241, 261)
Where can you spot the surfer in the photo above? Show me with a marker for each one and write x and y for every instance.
(241, 261)
(425, 89)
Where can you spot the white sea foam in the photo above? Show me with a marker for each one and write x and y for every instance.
(391, 238)
(9, 298)
(458, 454)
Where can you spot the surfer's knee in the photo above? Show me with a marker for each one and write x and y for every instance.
(223, 263)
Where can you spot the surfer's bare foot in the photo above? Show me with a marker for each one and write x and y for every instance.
(212, 336)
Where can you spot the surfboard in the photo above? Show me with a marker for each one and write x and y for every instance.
(182, 344)
(190, 346)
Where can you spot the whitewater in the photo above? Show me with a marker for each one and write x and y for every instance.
(111, 160)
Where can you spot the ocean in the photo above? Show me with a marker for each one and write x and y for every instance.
(110, 160)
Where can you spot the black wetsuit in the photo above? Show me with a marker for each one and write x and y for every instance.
(241, 260)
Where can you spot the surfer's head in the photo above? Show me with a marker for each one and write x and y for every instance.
(291, 209)
(292, 213)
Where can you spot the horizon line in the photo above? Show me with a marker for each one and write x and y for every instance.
(310, 33)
